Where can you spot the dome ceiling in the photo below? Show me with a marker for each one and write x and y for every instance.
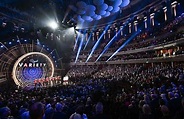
(74, 12)
(99, 9)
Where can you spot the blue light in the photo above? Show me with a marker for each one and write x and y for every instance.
(2, 46)
(109, 44)
(53, 56)
(25, 40)
(79, 49)
(76, 41)
(87, 41)
(18, 41)
(124, 44)
(10, 43)
(47, 48)
(32, 73)
(96, 44)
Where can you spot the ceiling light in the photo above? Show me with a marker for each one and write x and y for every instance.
(53, 25)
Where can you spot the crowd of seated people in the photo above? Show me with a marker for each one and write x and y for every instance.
(154, 42)
(148, 38)
(138, 74)
(140, 91)
(145, 43)
(174, 51)
(79, 71)
(148, 54)
(141, 55)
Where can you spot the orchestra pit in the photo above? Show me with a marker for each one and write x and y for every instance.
(91, 59)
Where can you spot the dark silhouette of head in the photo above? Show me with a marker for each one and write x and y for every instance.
(36, 111)
(99, 107)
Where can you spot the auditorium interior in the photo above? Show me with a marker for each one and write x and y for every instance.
(91, 59)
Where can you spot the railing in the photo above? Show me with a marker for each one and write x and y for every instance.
(173, 58)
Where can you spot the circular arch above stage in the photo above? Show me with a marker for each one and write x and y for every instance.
(31, 66)
(41, 60)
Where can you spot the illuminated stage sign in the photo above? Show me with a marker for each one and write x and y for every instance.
(32, 63)
(31, 66)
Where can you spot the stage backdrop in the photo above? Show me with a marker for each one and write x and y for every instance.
(31, 66)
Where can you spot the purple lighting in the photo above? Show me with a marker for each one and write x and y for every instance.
(97, 10)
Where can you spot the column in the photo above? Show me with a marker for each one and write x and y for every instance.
(135, 25)
(104, 33)
(116, 31)
(130, 27)
(165, 13)
(173, 5)
(86, 36)
(152, 20)
(121, 27)
(97, 35)
(145, 22)
(93, 36)
(109, 33)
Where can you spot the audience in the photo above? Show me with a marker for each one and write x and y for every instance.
(99, 112)
(36, 111)
(59, 114)
(111, 92)
(156, 37)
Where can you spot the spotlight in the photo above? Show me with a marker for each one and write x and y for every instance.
(53, 25)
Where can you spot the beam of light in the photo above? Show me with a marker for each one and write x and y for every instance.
(70, 31)
(4, 45)
(96, 44)
(124, 44)
(18, 39)
(79, 49)
(109, 44)
(51, 52)
(76, 40)
(66, 14)
(87, 41)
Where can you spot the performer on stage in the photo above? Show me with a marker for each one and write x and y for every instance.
(35, 82)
